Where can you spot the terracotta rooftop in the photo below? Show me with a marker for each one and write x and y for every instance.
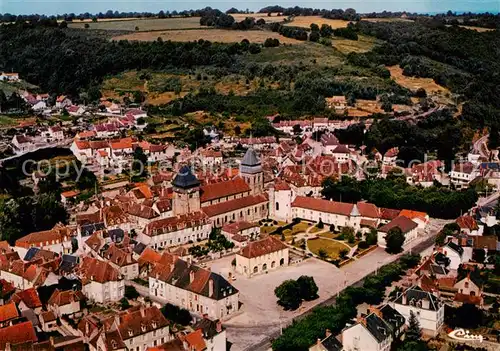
(171, 224)
(223, 189)
(29, 297)
(8, 312)
(56, 235)
(262, 247)
(321, 205)
(414, 214)
(99, 271)
(61, 298)
(16, 334)
(402, 222)
(235, 228)
(140, 321)
(195, 341)
(467, 222)
(233, 205)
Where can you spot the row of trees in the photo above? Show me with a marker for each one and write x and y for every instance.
(304, 333)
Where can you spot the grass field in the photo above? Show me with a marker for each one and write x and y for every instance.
(414, 83)
(146, 24)
(306, 21)
(214, 35)
(331, 247)
(363, 44)
(387, 19)
(305, 53)
(238, 17)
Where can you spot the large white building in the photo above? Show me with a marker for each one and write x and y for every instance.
(427, 308)
(100, 281)
(191, 287)
(408, 227)
(261, 256)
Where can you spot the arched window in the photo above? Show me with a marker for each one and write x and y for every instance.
(277, 206)
(282, 262)
(264, 267)
(273, 264)
(255, 269)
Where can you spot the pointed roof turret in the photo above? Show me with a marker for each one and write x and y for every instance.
(250, 163)
(185, 179)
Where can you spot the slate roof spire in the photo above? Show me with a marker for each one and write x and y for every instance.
(250, 163)
(185, 179)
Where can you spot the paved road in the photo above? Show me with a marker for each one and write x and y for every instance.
(481, 147)
(355, 274)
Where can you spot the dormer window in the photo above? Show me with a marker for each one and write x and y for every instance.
(143, 327)
(154, 325)
(130, 332)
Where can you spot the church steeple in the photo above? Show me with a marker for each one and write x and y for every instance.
(186, 192)
(251, 171)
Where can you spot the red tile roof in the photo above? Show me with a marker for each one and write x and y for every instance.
(414, 214)
(464, 298)
(218, 190)
(172, 224)
(321, 205)
(99, 271)
(195, 341)
(388, 213)
(140, 321)
(403, 223)
(467, 222)
(235, 228)
(367, 209)
(16, 334)
(8, 312)
(233, 205)
(61, 298)
(6, 288)
(262, 247)
(29, 297)
(58, 234)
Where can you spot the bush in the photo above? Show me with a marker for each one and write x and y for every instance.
(363, 245)
(176, 314)
(131, 292)
(320, 224)
(271, 43)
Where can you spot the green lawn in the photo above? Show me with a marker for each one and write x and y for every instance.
(331, 247)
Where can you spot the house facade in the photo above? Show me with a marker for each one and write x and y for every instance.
(261, 256)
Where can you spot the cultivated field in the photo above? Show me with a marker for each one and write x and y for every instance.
(306, 21)
(214, 35)
(238, 17)
(144, 25)
(362, 45)
(414, 83)
(387, 19)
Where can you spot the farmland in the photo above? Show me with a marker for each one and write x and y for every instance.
(214, 35)
(414, 83)
(306, 21)
(144, 25)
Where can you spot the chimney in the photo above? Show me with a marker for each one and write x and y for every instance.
(191, 277)
(143, 312)
(426, 304)
(404, 299)
(218, 326)
(210, 288)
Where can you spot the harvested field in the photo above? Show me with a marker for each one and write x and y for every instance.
(414, 83)
(306, 21)
(395, 19)
(478, 29)
(363, 44)
(144, 25)
(214, 35)
(238, 17)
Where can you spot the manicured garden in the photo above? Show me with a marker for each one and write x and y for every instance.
(321, 246)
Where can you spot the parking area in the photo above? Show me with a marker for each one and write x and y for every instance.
(257, 293)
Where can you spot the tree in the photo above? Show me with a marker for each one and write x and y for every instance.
(314, 37)
(343, 253)
(494, 137)
(320, 224)
(140, 162)
(124, 304)
(308, 288)
(347, 232)
(237, 130)
(288, 294)
(322, 254)
(314, 27)
(497, 264)
(176, 314)
(372, 237)
(131, 292)
(394, 240)
(86, 26)
(326, 30)
(74, 245)
(413, 333)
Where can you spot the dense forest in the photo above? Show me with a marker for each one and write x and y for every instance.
(69, 61)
